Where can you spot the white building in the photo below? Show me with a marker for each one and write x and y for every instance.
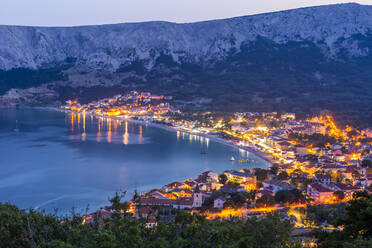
(218, 203)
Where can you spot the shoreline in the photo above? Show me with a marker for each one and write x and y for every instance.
(212, 137)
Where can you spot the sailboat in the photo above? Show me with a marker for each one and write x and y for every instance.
(232, 159)
(16, 129)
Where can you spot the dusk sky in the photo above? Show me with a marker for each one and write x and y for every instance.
(89, 12)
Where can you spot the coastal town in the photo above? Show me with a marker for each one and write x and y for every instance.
(186, 124)
(313, 161)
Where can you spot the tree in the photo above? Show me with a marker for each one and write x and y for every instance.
(116, 201)
(366, 163)
(289, 196)
(311, 157)
(282, 175)
(320, 214)
(366, 152)
(358, 218)
(356, 175)
(29, 229)
(274, 169)
(352, 133)
(356, 225)
(223, 178)
(261, 174)
(55, 244)
(265, 201)
(241, 198)
(299, 181)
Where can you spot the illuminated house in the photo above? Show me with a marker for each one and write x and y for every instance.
(249, 186)
(332, 168)
(284, 145)
(275, 185)
(240, 177)
(199, 197)
(310, 168)
(216, 186)
(189, 184)
(349, 171)
(347, 189)
(274, 141)
(208, 176)
(367, 133)
(161, 195)
(319, 192)
(323, 179)
(301, 149)
(174, 185)
(178, 203)
(314, 127)
(288, 116)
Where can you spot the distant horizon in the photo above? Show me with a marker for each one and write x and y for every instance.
(71, 13)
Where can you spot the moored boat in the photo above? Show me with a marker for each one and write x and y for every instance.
(16, 129)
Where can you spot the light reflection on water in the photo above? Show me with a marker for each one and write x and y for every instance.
(71, 160)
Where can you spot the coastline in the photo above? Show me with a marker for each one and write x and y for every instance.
(212, 137)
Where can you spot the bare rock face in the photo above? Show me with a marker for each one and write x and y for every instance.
(336, 29)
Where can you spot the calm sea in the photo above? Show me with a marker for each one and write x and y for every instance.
(54, 160)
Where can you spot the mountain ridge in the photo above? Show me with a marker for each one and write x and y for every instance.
(113, 45)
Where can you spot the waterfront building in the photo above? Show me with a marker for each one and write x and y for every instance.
(240, 177)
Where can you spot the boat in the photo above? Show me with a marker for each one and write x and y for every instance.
(16, 129)
(232, 159)
(203, 152)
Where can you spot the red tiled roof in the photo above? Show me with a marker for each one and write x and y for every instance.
(187, 191)
(174, 184)
(350, 169)
(344, 187)
(332, 166)
(323, 177)
(285, 143)
(164, 202)
(320, 188)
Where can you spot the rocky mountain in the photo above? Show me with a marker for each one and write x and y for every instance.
(304, 59)
(331, 28)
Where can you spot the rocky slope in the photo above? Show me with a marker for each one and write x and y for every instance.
(332, 28)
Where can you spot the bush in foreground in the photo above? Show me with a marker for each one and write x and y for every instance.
(20, 228)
